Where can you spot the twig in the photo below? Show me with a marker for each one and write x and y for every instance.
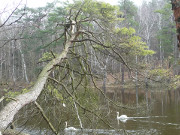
(45, 117)
(78, 115)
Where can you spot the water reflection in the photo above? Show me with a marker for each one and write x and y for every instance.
(161, 115)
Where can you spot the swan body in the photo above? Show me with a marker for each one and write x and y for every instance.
(122, 118)
(69, 128)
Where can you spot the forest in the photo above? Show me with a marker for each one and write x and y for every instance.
(81, 63)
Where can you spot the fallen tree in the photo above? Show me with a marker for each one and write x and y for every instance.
(12, 108)
(11, 132)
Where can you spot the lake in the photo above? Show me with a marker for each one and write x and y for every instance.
(158, 113)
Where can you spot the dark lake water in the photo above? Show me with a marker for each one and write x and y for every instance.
(160, 115)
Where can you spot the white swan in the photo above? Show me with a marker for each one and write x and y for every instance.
(0, 133)
(122, 118)
(69, 128)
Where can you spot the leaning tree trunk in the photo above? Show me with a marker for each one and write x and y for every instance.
(12, 108)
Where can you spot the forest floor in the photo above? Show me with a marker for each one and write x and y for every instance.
(114, 81)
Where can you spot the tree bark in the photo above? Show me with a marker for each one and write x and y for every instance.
(176, 9)
(12, 132)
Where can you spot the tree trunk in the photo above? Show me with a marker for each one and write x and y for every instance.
(123, 81)
(23, 64)
(12, 132)
(176, 9)
(122, 72)
(137, 92)
(104, 79)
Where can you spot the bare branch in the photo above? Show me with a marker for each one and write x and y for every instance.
(46, 118)
(10, 15)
